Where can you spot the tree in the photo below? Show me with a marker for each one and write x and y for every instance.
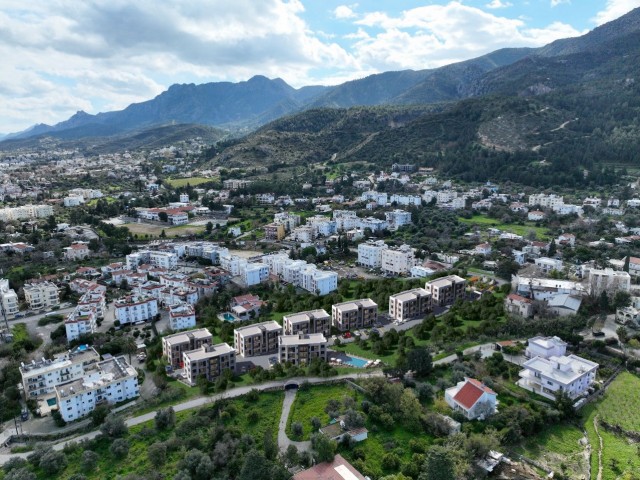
(119, 448)
(353, 419)
(157, 453)
(291, 457)
(89, 460)
(324, 447)
(22, 473)
(163, 234)
(315, 423)
(627, 261)
(419, 360)
(99, 414)
(255, 467)
(552, 249)
(564, 405)
(270, 445)
(209, 228)
(165, 418)
(163, 217)
(621, 299)
(113, 426)
(507, 268)
(296, 429)
(53, 462)
(623, 334)
(438, 465)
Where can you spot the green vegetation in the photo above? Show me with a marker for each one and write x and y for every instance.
(183, 182)
(523, 230)
(620, 405)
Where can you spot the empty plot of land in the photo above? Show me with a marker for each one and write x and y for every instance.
(156, 230)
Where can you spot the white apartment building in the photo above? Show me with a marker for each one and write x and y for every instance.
(168, 260)
(182, 316)
(208, 361)
(39, 378)
(302, 349)
(380, 198)
(608, 280)
(83, 320)
(255, 273)
(370, 253)
(374, 224)
(545, 347)
(135, 308)
(398, 261)
(546, 201)
(317, 281)
(112, 381)
(346, 220)
(547, 265)
(405, 200)
(322, 226)
(312, 321)
(73, 201)
(410, 304)
(287, 219)
(86, 193)
(304, 234)
(398, 218)
(25, 212)
(547, 376)
(173, 346)
(446, 290)
(8, 299)
(355, 314)
(231, 263)
(257, 339)
(41, 296)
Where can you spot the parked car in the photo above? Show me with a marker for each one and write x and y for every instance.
(597, 333)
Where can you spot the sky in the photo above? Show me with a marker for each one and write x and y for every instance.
(61, 56)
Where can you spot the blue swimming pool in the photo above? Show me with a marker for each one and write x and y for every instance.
(228, 317)
(355, 362)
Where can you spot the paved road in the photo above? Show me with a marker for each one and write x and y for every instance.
(283, 439)
(196, 403)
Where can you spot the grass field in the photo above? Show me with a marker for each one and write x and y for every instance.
(156, 230)
(20, 332)
(182, 182)
(621, 404)
(311, 402)
(486, 222)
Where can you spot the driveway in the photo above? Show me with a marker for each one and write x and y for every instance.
(283, 440)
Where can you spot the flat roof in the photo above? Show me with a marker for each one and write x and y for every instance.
(338, 469)
(577, 367)
(209, 352)
(258, 328)
(302, 339)
(410, 294)
(354, 304)
(306, 316)
(185, 337)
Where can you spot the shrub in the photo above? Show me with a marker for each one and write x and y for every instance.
(165, 418)
(89, 460)
(113, 426)
(296, 429)
(157, 453)
(119, 448)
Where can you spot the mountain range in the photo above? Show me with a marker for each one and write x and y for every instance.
(569, 107)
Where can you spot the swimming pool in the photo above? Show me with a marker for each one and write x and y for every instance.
(355, 362)
(228, 317)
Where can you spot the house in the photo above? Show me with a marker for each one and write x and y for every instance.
(546, 265)
(337, 469)
(483, 249)
(246, 306)
(564, 304)
(535, 215)
(547, 376)
(545, 347)
(76, 251)
(519, 305)
(338, 430)
(634, 266)
(182, 316)
(472, 398)
(566, 239)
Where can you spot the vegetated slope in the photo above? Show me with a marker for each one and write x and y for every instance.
(151, 138)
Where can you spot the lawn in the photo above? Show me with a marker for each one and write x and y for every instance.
(486, 222)
(621, 404)
(20, 332)
(156, 230)
(183, 182)
(311, 402)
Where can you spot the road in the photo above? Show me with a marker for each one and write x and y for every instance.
(283, 439)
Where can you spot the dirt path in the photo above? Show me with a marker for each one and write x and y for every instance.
(595, 426)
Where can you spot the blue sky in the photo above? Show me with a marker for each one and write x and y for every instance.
(61, 56)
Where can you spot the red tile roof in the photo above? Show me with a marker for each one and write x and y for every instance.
(518, 298)
(471, 392)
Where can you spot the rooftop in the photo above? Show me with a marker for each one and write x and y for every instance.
(208, 351)
(564, 370)
(259, 328)
(302, 339)
(185, 337)
(338, 469)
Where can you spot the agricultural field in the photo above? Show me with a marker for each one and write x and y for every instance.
(142, 229)
(485, 222)
(183, 182)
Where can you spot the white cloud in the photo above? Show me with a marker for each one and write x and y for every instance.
(495, 4)
(555, 3)
(615, 9)
(345, 11)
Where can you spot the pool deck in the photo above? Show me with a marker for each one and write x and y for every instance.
(346, 359)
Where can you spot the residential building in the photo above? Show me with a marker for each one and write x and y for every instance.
(535, 215)
(566, 239)
(25, 212)
(483, 249)
(472, 398)
(208, 361)
(546, 201)
(135, 308)
(110, 382)
(519, 305)
(410, 304)
(257, 339)
(303, 348)
(9, 304)
(446, 290)
(634, 266)
(168, 260)
(338, 431)
(41, 296)
(398, 218)
(398, 261)
(608, 280)
(337, 469)
(182, 316)
(370, 253)
(288, 220)
(39, 378)
(312, 321)
(547, 376)
(355, 314)
(545, 347)
(274, 231)
(564, 304)
(246, 306)
(76, 251)
(83, 320)
(547, 265)
(173, 346)
(317, 281)
(255, 273)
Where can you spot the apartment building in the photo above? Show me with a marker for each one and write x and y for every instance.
(608, 280)
(9, 304)
(398, 261)
(25, 212)
(208, 361)
(519, 305)
(303, 348)
(39, 378)
(410, 304)
(41, 296)
(254, 273)
(312, 321)
(288, 220)
(83, 320)
(274, 231)
(355, 314)
(173, 346)
(546, 201)
(168, 260)
(110, 382)
(135, 308)
(182, 316)
(398, 218)
(318, 281)
(370, 253)
(446, 290)
(257, 339)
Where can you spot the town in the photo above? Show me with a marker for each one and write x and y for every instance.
(389, 310)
